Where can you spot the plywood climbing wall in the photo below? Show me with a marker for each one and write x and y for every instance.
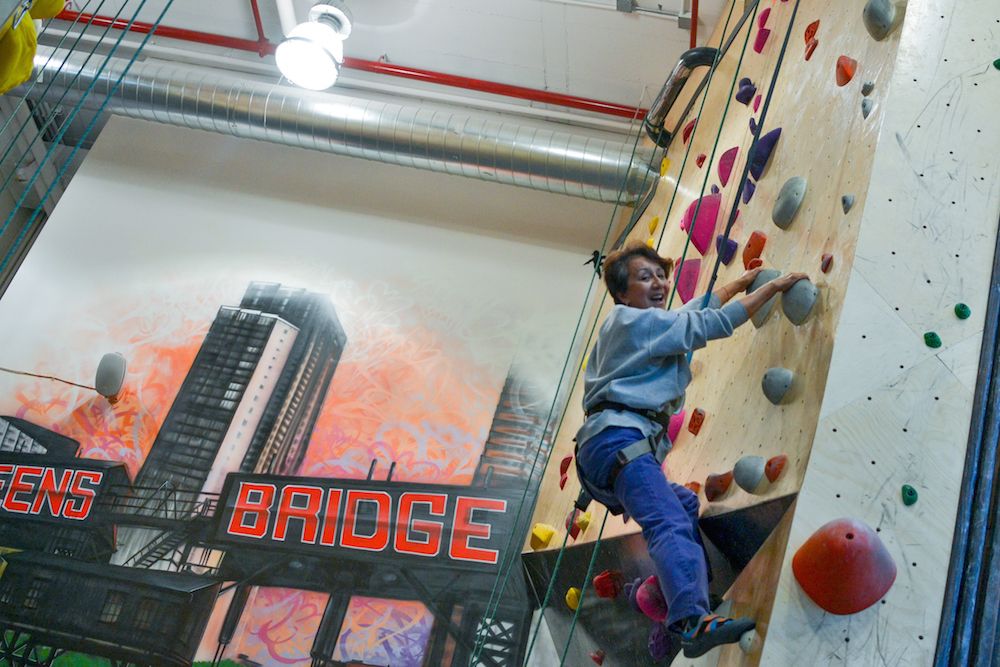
(876, 300)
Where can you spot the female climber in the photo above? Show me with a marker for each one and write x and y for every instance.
(636, 376)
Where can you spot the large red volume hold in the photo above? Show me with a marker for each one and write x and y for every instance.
(844, 567)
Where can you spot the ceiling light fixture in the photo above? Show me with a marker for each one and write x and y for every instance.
(313, 52)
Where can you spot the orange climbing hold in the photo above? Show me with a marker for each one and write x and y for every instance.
(844, 567)
(697, 419)
(754, 247)
(695, 487)
(755, 262)
(774, 466)
(811, 31)
(717, 485)
(827, 263)
(811, 47)
(846, 67)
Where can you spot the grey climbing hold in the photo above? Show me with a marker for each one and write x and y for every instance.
(880, 18)
(765, 276)
(867, 104)
(847, 201)
(776, 383)
(867, 88)
(798, 301)
(789, 199)
(749, 473)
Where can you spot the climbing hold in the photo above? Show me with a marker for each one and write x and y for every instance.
(867, 87)
(688, 129)
(693, 487)
(565, 464)
(700, 160)
(761, 40)
(748, 640)
(762, 18)
(674, 426)
(789, 199)
(774, 466)
(686, 278)
(754, 263)
(562, 481)
(847, 202)
(651, 243)
(867, 104)
(630, 589)
(608, 584)
(697, 419)
(996, 63)
(702, 227)
(797, 301)
(662, 643)
(762, 152)
(726, 249)
(962, 311)
(577, 522)
(811, 31)
(826, 263)
(726, 163)
(776, 384)
(541, 535)
(717, 485)
(879, 17)
(811, 48)
(766, 275)
(598, 656)
(664, 166)
(573, 598)
(753, 125)
(715, 189)
(909, 495)
(745, 92)
(650, 599)
(845, 70)
(931, 339)
(749, 474)
(756, 103)
(753, 249)
(748, 189)
(844, 567)
(654, 222)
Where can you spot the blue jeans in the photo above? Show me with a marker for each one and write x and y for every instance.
(666, 512)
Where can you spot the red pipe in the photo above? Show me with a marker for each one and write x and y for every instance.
(261, 37)
(694, 23)
(264, 47)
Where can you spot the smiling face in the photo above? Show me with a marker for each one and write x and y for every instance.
(648, 285)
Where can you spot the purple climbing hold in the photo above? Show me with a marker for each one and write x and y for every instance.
(715, 189)
(630, 589)
(746, 92)
(726, 163)
(753, 125)
(762, 35)
(726, 249)
(662, 643)
(703, 228)
(761, 153)
(686, 278)
(745, 81)
(748, 189)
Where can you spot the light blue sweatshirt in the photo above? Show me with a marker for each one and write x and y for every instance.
(640, 360)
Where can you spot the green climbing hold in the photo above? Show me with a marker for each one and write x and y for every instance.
(932, 339)
(996, 63)
(909, 495)
(962, 311)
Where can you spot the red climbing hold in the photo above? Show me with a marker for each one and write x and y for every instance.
(811, 31)
(608, 584)
(827, 263)
(762, 19)
(717, 485)
(845, 70)
(811, 47)
(598, 656)
(562, 481)
(774, 466)
(704, 225)
(700, 160)
(755, 246)
(726, 163)
(697, 419)
(688, 129)
(674, 427)
(754, 263)
(564, 464)
(694, 487)
(686, 278)
(844, 567)
(761, 40)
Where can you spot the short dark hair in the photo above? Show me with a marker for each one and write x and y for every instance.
(616, 266)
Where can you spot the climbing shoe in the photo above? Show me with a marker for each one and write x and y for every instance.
(710, 631)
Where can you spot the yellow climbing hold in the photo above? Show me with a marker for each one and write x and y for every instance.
(664, 167)
(651, 242)
(583, 521)
(541, 535)
(573, 598)
(654, 222)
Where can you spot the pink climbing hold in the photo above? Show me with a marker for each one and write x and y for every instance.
(674, 428)
(650, 599)
(761, 40)
(726, 163)
(700, 160)
(844, 567)
(756, 103)
(688, 129)
(704, 226)
(762, 19)
(686, 278)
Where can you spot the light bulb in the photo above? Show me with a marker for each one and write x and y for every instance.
(311, 56)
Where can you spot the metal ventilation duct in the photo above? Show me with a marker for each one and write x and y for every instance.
(459, 142)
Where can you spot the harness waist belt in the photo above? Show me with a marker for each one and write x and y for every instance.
(661, 418)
